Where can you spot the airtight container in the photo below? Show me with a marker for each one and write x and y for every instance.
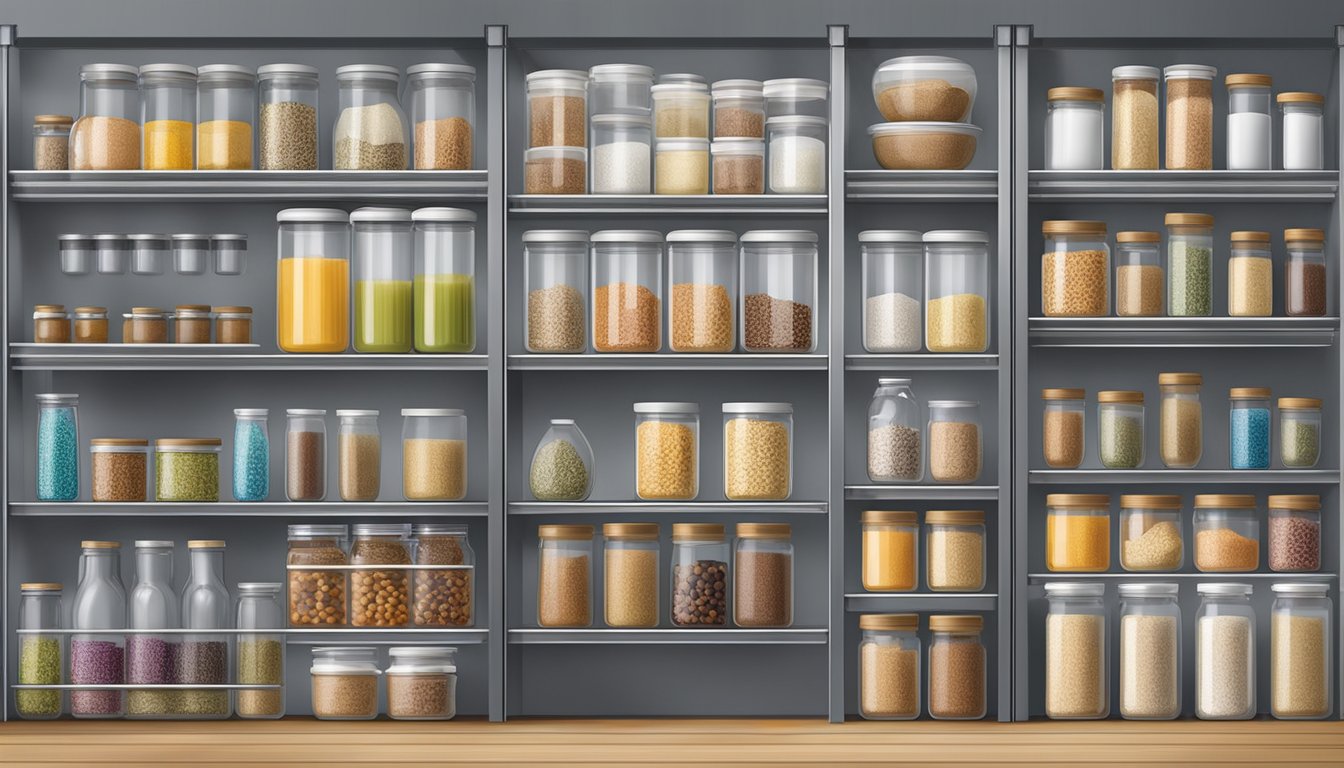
(345, 683)
(681, 111)
(287, 117)
(226, 105)
(924, 88)
(313, 283)
(372, 132)
(555, 271)
(1303, 131)
(191, 254)
(924, 146)
(956, 291)
(168, 111)
(149, 253)
(702, 271)
(739, 109)
(795, 96)
(443, 111)
(557, 108)
(1075, 129)
(229, 253)
(1150, 532)
(620, 89)
(106, 137)
(77, 253)
(1189, 117)
(893, 290)
(1249, 125)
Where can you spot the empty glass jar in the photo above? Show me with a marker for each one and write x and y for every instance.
(620, 89)
(149, 253)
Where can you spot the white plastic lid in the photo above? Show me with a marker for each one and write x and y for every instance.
(1151, 589)
(912, 64)
(562, 422)
(681, 77)
(795, 121)
(798, 88)
(142, 236)
(374, 214)
(956, 236)
(306, 412)
(736, 146)
(433, 412)
(740, 84)
(108, 236)
(953, 403)
(638, 121)
(891, 236)
(701, 236)
(1191, 71)
(1224, 588)
(1135, 72)
(108, 72)
(667, 407)
(381, 529)
(891, 382)
(226, 237)
(225, 72)
(354, 412)
(555, 153)
(422, 659)
(626, 236)
(576, 79)
(183, 70)
(312, 216)
(72, 236)
(758, 407)
(444, 215)
(429, 69)
(918, 127)
(555, 236)
(318, 530)
(687, 88)
(1075, 589)
(621, 72)
(779, 236)
(681, 145)
(1300, 588)
(252, 412)
(379, 71)
(345, 659)
(267, 71)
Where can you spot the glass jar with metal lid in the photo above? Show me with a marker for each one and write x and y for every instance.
(1077, 665)
(288, 117)
(51, 142)
(1225, 654)
(380, 589)
(620, 89)
(226, 106)
(893, 290)
(889, 655)
(1189, 116)
(667, 450)
(422, 683)
(384, 267)
(1075, 129)
(956, 291)
(77, 253)
(149, 253)
(1189, 264)
(443, 110)
(630, 565)
(795, 96)
(1248, 428)
(622, 154)
(233, 325)
(565, 575)
(1075, 269)
(444, 576)
(1120, 429)
(186, 469)
(1227, 533)
(371, 131)
(1303, 130)
(51, 324)
(90, 325)
(1134, 113)
(191, 324)
(1182, 426)
(1305, 290)
(41, 654)
(168, 112)
(445, 280)
(144, 325)
(680, 110)
(702, 270)
(627, 290)
(895, 433)
(251, 454)
(700, 581)
(956, 554)
(555, 270)
(957, 668)
(763, 575)
(1150, 651)
(57, 457)
(260, 656)
(1250, 276)
(1139, 275)
(1151, 537)
(557, 108)
(317, 595)
(955, 441)
(120, 468)
(345, 683)
(1078, 532)
(113, 253)
(306, 454)
(1249, 125)
(1295, 533)
(229, 252)
(359, 455)
(739, 109)
(106, 137)
(890, 550)
(1063, 440)
(779, 291)
(757, 451)
(1300, 661)
(313, 283)
(1300, 435)
(98, 643)
(191, 253)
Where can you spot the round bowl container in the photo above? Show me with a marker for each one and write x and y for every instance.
(924, 146)
(924, 89)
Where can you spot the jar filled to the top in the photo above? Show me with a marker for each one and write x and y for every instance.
(1075, 269)
(1075, 129)
(1189, 117)
(51, 142)
(226, 105)
(106, 137)
(1134, 112)
(168, 111)
(1189, 264)
(287, 94)
(371, 132)
(443, 111)
(1305, 287)
(557, 108)
(1303, 131)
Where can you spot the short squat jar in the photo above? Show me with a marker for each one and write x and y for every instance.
(1227, 533)
(191, 253)
(557, 108)
(1300, 434)
(51, 324)
(1150, 651)
(422, 683)
(1182, 428)
(1189, 264)
(1248, 433)
(149, 253)
(739, 109)
(680, 110)
(51, 142)
(681, 166)
(1250, 276)
(1075, 269)
(191, 324)
(1151, 537)
(739, 166)
(889, 663)
(144, 325)
(1300, 658)
(620, 89)
(120, 468)
(114, 251)
(1303, 130)
(77, 253)
(90, 325)
(1075, 129)
(1120, 429)
(893, 290)
(187, 469)
(233, 324)
(797, 151)
(763, 575)
(1295, 533)
(1062, 435)
(344, 683)
(1078, 532)
(700, 575)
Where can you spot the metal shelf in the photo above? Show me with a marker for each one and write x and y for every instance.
(282, 509)
(247, 186)
(1184, 332)
(552, 508)
(1145, 576)
(668, 362)
(27, 356)
(922, 492)
(870, 602)
(313, 635)
(668, 636)
(660, 205)
(922, 362)
(922, 186)
(1192, 186)
(1184, 476)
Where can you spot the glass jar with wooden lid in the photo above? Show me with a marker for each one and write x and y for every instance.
(956, 668)
(890, 550)
(1062, 437)
(955, 543)
(51, 324)
(191, 324)
(90, 325)
(889, 666)
(144, 325)
(233, 325)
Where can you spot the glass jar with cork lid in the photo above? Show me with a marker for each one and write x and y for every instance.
(1120, 428)
(565, 575)
(444, 576)
(630, 565)
(51, 142)
(1078, 532)
(51, 324)
(890, 550)
(191, 324)
(889, 666)
(1151, 536)
(1305, 289)
(1248, 428)
(233, 324)
(1062, 436)
(1250, 275)
(700, 577)
(1300, 431)
(1182, 427)
(956, 559)
(1227, 533)
(1249, 125)
(144, 325)
(1075, 269)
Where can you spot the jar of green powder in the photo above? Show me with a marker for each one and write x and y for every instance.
(1189, 264)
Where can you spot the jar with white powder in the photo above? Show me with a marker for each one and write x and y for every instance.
(372, 132)
(797, 155)
(622, 155)
(893, 290)
(1225, 653)
(1074, 128)
(1248, 122)
(1303, 131)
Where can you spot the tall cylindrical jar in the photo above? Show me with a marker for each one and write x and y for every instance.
(889, 666)
(555, 270)
(1306, 290)
(1134, 112)
(957, 668)
(893, 290)
(757, 451)
(1150, 651)
(57, 447)
(226, 99)
(287, 94)
(1294, 533)
(445, 280)
(1249, 125)
(956, 291)
(1225, 652)
(1189, 264)
(168, 112)
(955, 441)
(1300, 432)
(779, 291)
(895, 434)
(565, 575)
(434, 454)
(443, 110)
(1189, 117)
(106, 137)
(1075, 269)
(1063, 438)
(1077, 667)
(1075, 129)
(251, 454)
(557, 108)
(1248, 429)
(313, 286)
(1182, 427)
(797, 153)
(98, 645)
(627, 285)
(1120, 429)
(763, 575)
(204, 658)
(700, 575)
(306, 454)
(630, 567)
(1139, 274)
(562, 465)
(702, 271)
(667, 450)
(1250, 275)
(41, 655)
(622, 155)
(1303, 131)
(1301, 664)
(260, 655)
(371, 131)
(384, 266)
(360, 450)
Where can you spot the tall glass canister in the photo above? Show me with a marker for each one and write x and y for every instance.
(1139, 275)
(313, 283)
(1134, 113)
(555, 271)
(251, 454)
(700, 580)
(287, 117)
(1303, 130)
(1225, 652)
(1300, 653)
(893, 290)
(106, 137)
(630, 564)
(1305, 288)
(1150, 652)
(204, 658)
(956, 291)
(1077, 668)
(306, 454)
(565, 575)
(1189, 264)
(384, 257)
(360, 455)
(702, 271)
(1249, 125)
(57, 447)
(1182, 425)
(889, 666)
(1189, 116)
(168, 111)
(151, 657)
(779, 291)
(445, 280)
(260, 656)
(98, 645)
(1250, 275)
(627, 290)
(41, 655)
(226, 105)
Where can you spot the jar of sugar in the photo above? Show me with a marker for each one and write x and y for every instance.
(1248, 122)
(1074, 128)
(1303, 131)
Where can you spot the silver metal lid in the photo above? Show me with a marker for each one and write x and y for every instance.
(179, 70)
(1224, 588)
(252, 412)
(702, 236)
(154, 544)
(1075, 589)
(225, 72)
(433, 412)
(621, 71)
(355, 412)
(779, 236)
(956, 236)
(306, 412)
(1300, 588)
(1149, 589)
(626, 236)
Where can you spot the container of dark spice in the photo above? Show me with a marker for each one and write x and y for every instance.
(699, 575)
(120, 468)
(233, 325)
(1305, 286)
(191, 324)
(204, 658)
(144, 325)
(260, 657)
(90, 325)
(763, 584)
(779, 291)
(51, 142)
(444, 580)
(51, 324)
(956, 668)
(422, 683)
(316, 594)
(344, 683)
(41, 661)
(151, 654)
(360, 454)
(1295, 533)
(306, 455)
(380, 596)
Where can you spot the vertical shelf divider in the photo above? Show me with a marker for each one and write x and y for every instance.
(1006, 346)
(8, 394)
(1338, 240)
(837, 37)
(1017, 197)
(496, 40)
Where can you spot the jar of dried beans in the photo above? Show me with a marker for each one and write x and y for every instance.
(317, 595)
(444, 576)
(565, 575)
(957, 668)
(555, 269)
(627, 291)
(1295, 533)
(1305, 288)
(889, 666)
(699, 575)
(1075, 269)
(895, 434)
(702, 269)
(763, 578)
(779, 291)
(1062, 434)
(380, 592)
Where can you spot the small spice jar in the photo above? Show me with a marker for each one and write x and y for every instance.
(1249, 125)
(954, 441)
(344, 683)
(149, 253)
(1150, 533)
(1120, 429)
(1075, 269)
(630, 568)
(77, 253)
(889, 666)
(1062, 432)
(739, 166)
(1248, 428)
(895, 433)
(1294, 533)
(565, 575)
(779, 291)
(433, 454)
(1189, 117)
(555, 171)
(1227, 533)
(443, 110)
(229, 253)
(168, 111)
(763, 575)
(1134, 111)
(1189, 264)
(422, 683)
(757, 451)
(681, 167)
(306, 454)
(1303, 130)
(41, 651)
(1150, 651)
(739, 109)
(90, 325)
(890, 550)
(957, 660)
(191, 254)
(120, 468)
(444, 576)
(113, 253)
(233, 325)
(893, 290)
(956, 553)
(622, 155)
(702, 270)
(1225, 654)
(51, 324)
(380, 591)
(227, 102)
(191, 324)
(1299, 432)
(1139, 275)
(667, 450)
(287, 94)
(797, 154)
(1300, 664)
(700, 578)
(555, 269)
(260, 655)
(316, 594)
(51, 142)
(1078, 532)
(1182, 428)
(359, 451)
(186, 469)
(1305, 289)
(557, 108)
(144, 325)
(1250, 276)
(1075, 129)
(680, 110)
(956, 270)
(1077, 668)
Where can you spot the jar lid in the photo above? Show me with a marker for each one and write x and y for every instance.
(764, 530)
(879, 516)
(1070, 93)
(737, 87)
(53, 120)
(758, 407)
(260, 587)
(1299, 402)
(1224, 501)
(1171, 379)
(917, 127)
(402, 530)
(795, 121)
(686, 89)
(377, 71)
(800, 88)
(956, 236)
(1249, 236)
(1190, 71)
(52, 398)
(109, 236)
(432, 412)
(465, 71)
(185, 442)
(701, 236)
(238, 310)
(1150, 501)
(439, 529)
(681, 145)
(924, 64)
(49, 309)
(251, 412)
(193, 307)
(1120, 396)
(354, 412)
(563, 422)
(1188, 219)
(1307, 234)
(620, 71)
(1135, 72)
(1138, 237)
(182, 70)
(697, 531)
(1248, 81)
(626, 236)
(141, 237)
(139, 311)
(1063, 394)
(680, 77)
(953, 404)
(779, 236)
(1300, 97)
(378, 214)
(40, 586)
(735, 145)
(969, 623)
(565, 532)
(1300, 588)
(954, 517)
(267, 71)
(1149, 589)
(345, 659)
(205, 544)
(88, 544)
(1073, 228)
(225, 72)
(1078, 500)
(1248, 393)
(893, 622)
(887, 381)
(666, 407)
(108, 72)
(1075, 589)
(891, 236)
(90, 310)
(430, 659)
(638, 121)
(1223, 588)
(312, 216)
(71, 236)
(306, 411)
(443, 214)
(318, 530)
(576, 77)
(129, 441)
(555, 236)
(631, 531)
(1302, 501)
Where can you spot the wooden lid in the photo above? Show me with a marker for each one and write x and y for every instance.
(1177, 379)
(89, 544)
(970, 623)
(1248, 81)
(65, 120)
(1300, 97)
(954, 517)
(1225, 500)
(888, 516)
(1072, 93)
(40, 586)
(638, 531)
(1188, 220)
(135, 441)
(1073, 228)
(1120, 396)
(895, 622)
(1249, 236)
(1138, 237)
(1310, 234)
(1150, 501)
(205, 544)
(1063, 394)
(1295, 501)
(1248, 393)
(232, 309)
(1083, 500)
(696, 531)
(1299, 402)
(764, 530)
(565, 532)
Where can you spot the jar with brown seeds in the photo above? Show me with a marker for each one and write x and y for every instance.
(120, 468)
(739, 109)
(317, 596)
(557, 108)
(51, 324)
(779, 291)
(763, 577)
(306, 454)
(1189, 117)
(1062, 434)
(380, 597)
(555, 171)
(443, 594)
(260, 654)
(739, 166)
(957, 662)
(422, 683)
(233, 325)
(700, 575)
(360, 455)
(345, 683)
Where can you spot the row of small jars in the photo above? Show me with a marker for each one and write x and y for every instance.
(147, 254)
(925, 290)
(143, 325)
(765, 291)
(1075, 132)
(896, 437)
(421, 683)
(759, 575)
(890, 660)
(203, 118)
(1151, 647)
(1076, 275)
(955, 555)
(1226, 533)
(757, 451)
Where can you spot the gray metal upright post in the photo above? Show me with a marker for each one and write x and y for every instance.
(1020, 351)
(836, 36)
(8, 36)
(496, 40)
(1003, 45)
(1339, 354)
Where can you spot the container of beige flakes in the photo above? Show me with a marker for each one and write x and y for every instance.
(555, 270)
(106, 137)
(443, 111)
(630, 565)
(434, 454)
(627, 290)
(1150, 532)
(565, 575)
(1062, 434)
(757, 451)
(955, 550)
(889, 666)
(344, 683)
(371, 130)
(955, 443)
(1139, 275)
(1075, 269)
(1250, 276)
(702, 269)
(681, 166)
(1300, 651)
(422, 683)
(667, 450)
(1182, 425)
(1077, 669)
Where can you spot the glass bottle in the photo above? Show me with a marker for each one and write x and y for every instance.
(98, 657)
(41, 655)
(562, 465)
(895, 434)
(204, 658)
(251, 454)
(260, 655)
(151, 658)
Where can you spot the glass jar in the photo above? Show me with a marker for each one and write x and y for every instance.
(622, 154)
(186, 469)
(57, 447)
(1150, 651)
(51, 142)
(168, 112)
(1300, 663)
(1139, 275)
(443, 110)
(313, 312)
(152, 657)
(226, 105)
(203, 659)
(306, 454)
(359, 450)
(681, 167)
(233, 325)
(779, 291)
(1182, 419)
(890, 550)
(924, 88)
(763, 581)
(1075, 129)
(144, 325)
(895, 434)
(680, 110)
(1305, 289)
(229, 253)
(620, 89)
(149, 253)
(90, 325)
(700, 581)
(555, 269)
(1134, 111)
(113, 253)
(120, 468)
(1248, 122)
(1295, 533)
(344, 683)
(316, 596)
(384, 255)
(260, 656)
(380, 594)
(1303, 130)
(1300, 432)
(51, 324)
(1227, 533)
(77, 253)
(627, 290)
(443, 576)
(555, 171)
(739, 166)
(1225, 652)
(630, 568)
(956, 291)
(191, 324)
(565, 575)
(954, 441)
(702, 270)
(191, 254)
(797, 154)
(1077, 668)
(889, 666)
(106, 137)
(41, 655)
(433, 454)
(1150, 533)
(251, 454)
(795, 96)
(893, 290)
(97, 655)
(757, 451)
(667, 450)
(957, 661)
(445, 280)
(955, 549)
(1120, 429)
(557, 109)
(371, 132)
(1075, 269)
(287, 94)
(1189, 117)
(1250, 276)
(1078, 532)
(562, 465)
(422, 683)
(1248, 428)
(682, 77)
(1063, 437)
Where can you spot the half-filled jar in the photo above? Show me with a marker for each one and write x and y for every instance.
(1139, 275)
(1151, 537)
(779, 291)
(562, 465)
(555, 270)
(702, 270)
(1078, 532)
(1227, 533)
(627, 284)
(893, 290)
(445, 280)
(1182, 428)
(106, 137)
(168, 112)
(372, 131)
(956, 291)
(895, 434)
(443, 110)
(434, 454)
(226, 95)
(384, 263)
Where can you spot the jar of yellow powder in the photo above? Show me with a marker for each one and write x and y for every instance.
(228, 100)
(168, 111)
(1078, 532)
(890, 550)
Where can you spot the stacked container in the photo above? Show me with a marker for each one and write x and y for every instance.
(621, 103)
(927, 101)
(556, 161)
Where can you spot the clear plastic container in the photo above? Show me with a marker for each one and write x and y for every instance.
(795, 96)
(565, 575)
(434, 454)
(445, 280)
(763, 575)
(680, 111)
(957, 668)
(1300, 661)
(229, 253)
(555, 171)
(630, 566)
(1189, 116)
(700, 575)
(151, 657)
(1295, 533)
(1225, 652)
(191, 324)
(204, 658)
(1182, 433)
(779, 306)
(622, 154)
(627, 290)
(443, 111)
(1150, 651)
(1075, 129)
(149, 253)
(97, 655)
(114, 251)
(757, 451)
(422, 683)
(667, 450)
(1151, 533)
(1078, 532)
(260, 656)
(345, 683)
(168, 112)
(313, 283)
(1120, 429)
(889, 654)
(227, 105)
(251, 454)
(895, 434)
(372, 132)
(955, 544)
(77, 253)
(682, 77)
(797, 151)
(120, 468)
(380, 592)
(287, 94)
(620, 89)
(360, 450)
(233, 324)
(1075, 269)
(306, 454)
(191, 253)
(956, 291)
(562, 465)
(444, 578)
(1303, 130)
(1300, 435)
(1250, 276)
(90, 326)
(317, 596)
(555, 269)
(1227, 533)
(41, 655)
(144, 325)
(739, 109)
(739, 166)
(57, 455)
(702, 270)
(106, 137)
(1134, 113)
(1077, 665)
(924, 146)
(893, 290)
(51, 142)
(681, 167)
(1139, 275)
(1306, 290)
(1248, 428)
(186, 469)
(1063, 437)
(890, 550)
(51, 324)
(557, 108)
(1249, 125)
(924, 88)
(955, 441)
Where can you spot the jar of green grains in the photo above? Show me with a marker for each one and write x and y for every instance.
(186, 469)
(40, 658)
(1299, 432)
(1120, 429)
(562, 465)
(1189, 264)
(445, 280)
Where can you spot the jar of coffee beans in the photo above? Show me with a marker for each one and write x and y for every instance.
(699, 575)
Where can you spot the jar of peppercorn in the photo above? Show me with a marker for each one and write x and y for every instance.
(443, 582)
(380, 595)
(316, 594)
(90, 325)
(699, 575)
